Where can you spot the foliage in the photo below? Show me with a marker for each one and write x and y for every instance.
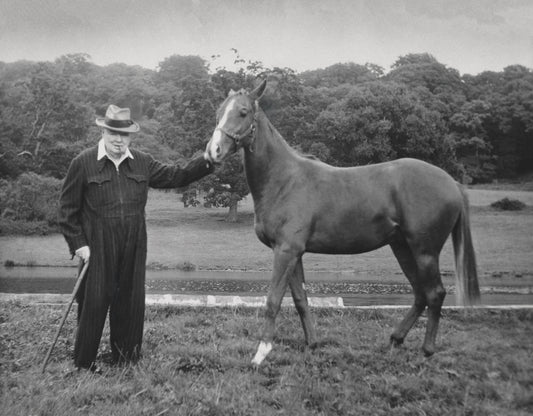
(31, 200)
(470, 138)
(227, 187)
(380, 121)
(339, 74)
(10, 226)
(177, 70)
(509, 125)
(477, 127)
(507, 204)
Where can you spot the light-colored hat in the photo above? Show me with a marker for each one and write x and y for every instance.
(118, 119)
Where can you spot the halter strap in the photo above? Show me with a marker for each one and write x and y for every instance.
(238, 138)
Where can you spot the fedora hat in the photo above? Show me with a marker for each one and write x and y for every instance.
(118, 119)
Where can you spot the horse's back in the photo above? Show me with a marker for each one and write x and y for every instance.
(404, 176)
(375, 202)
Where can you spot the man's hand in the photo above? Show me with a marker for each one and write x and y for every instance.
(84, 253)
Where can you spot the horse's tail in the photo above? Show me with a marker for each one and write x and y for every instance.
(467, 285)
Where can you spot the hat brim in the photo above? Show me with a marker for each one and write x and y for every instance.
(134, 128)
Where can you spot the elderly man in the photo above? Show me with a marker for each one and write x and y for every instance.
(101, 215)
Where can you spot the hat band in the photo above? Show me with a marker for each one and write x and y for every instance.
(118, 123)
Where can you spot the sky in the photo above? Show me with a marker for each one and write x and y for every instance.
(471, 36)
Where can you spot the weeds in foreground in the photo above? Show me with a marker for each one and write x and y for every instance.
(196, 362)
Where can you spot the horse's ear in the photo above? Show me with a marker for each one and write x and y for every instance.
(231, 92)
(258, 92)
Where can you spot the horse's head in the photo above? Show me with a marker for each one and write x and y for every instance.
(235, 123)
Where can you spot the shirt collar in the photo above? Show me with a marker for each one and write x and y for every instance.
(102, 152)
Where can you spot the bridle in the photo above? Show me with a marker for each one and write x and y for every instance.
(238, 138)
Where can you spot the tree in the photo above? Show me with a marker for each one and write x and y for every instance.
(516, 122)
(188, 119)
(177, 69)
(283, 101)
(380, 121)
(126, 86)
(226, 187)
(42, 111)
(341, 73)
(509, 126)
(473, 150)
(423, 71)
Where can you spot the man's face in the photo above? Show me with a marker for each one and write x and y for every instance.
(116, 143)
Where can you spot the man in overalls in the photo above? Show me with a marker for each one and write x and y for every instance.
(101, 215)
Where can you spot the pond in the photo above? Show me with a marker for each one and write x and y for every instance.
(354, 291)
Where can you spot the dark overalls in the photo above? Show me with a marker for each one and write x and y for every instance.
(103, 207)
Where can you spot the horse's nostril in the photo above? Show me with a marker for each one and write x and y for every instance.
(217, 150)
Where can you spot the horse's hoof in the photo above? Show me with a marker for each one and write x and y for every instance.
(312, 345)
(395, 340)
(262, 351)
(428, 351)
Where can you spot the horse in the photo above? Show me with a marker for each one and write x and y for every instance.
(304, 205)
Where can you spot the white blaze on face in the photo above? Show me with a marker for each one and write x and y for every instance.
(262, 351)
(215, 144)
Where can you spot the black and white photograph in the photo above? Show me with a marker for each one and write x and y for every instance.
(266, 207)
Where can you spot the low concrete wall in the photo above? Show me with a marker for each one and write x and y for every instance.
(227, 301)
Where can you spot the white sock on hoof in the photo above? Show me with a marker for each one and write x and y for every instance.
(262, 351)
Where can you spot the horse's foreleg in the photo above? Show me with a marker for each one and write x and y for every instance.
(300, 301)
(284, 264)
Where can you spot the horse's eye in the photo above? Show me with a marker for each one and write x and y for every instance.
(243, 112)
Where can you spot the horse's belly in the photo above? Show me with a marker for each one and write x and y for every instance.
(350, 241)
(344, 247)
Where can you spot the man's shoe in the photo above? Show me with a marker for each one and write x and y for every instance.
(93, 368)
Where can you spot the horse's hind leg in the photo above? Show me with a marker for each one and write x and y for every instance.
(409, 267)
(296, 282)
(428, 266)
(284, 264)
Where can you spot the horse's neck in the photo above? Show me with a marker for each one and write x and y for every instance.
(269, 155)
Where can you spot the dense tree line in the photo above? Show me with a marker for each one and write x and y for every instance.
(477, 127)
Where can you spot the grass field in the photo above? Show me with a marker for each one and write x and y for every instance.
(200, 237)
(196, 362)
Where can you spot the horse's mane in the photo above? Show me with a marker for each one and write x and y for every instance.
(296, 151)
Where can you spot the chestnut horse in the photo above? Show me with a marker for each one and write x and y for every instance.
(304, 205)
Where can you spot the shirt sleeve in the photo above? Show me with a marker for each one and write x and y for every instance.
(70, 206)
(173, 176)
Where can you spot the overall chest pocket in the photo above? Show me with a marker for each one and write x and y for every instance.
(136, 187)
(100, 190)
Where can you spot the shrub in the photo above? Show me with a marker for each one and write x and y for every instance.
(507, 204)
(28, 204)
(186, 266)
(21, 227)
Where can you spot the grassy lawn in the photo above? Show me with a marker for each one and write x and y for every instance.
(196, 362)
(180, 236)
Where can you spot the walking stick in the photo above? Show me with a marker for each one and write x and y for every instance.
(74, 292)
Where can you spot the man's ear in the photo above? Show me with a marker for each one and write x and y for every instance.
(257, 93)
